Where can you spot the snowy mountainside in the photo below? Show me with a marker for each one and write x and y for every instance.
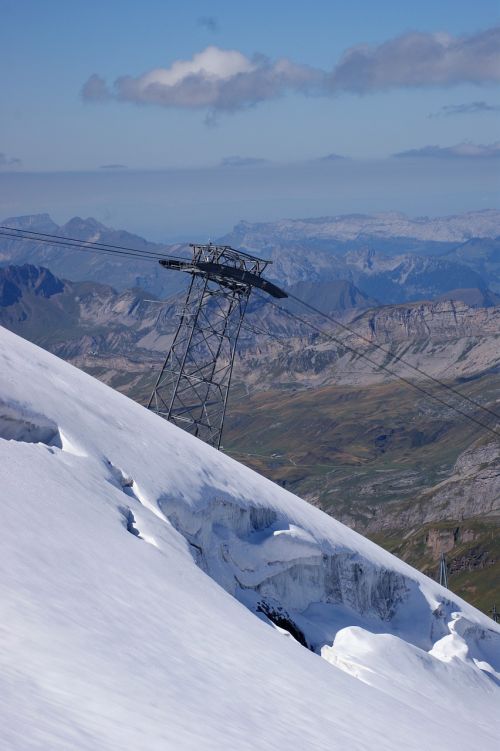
(112, 635)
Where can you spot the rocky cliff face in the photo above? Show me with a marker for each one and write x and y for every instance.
(15, 281)
(70, 317)
(388, 256)
(440, 320)
(389, 278)
(447, 339)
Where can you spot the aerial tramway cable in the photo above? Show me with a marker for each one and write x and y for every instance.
(92, 246)
(407, 381)
(395, 357)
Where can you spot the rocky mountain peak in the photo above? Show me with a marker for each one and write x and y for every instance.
(33, 222)
(15, 280)
(82, 228)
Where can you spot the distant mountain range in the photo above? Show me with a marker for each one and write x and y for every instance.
(350, 228)
(92, 320)
(387, 257)
(121, 272)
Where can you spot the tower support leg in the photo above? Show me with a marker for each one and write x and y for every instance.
(193, 386)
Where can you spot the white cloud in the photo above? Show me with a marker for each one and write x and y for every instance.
(223, 80)
(213, 63)
(214, 79)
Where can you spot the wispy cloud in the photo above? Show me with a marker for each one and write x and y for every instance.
(468, 108)
(113, 166)
(464, 150)
(226, 80)
(333, 157)
(209, 22)
(9, 161)
(242, 161)
(95, 89)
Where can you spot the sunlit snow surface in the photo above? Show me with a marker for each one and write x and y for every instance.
(137, 569)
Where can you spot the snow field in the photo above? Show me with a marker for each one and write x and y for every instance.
(112, 637)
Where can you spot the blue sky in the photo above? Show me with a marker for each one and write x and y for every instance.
(390, 100)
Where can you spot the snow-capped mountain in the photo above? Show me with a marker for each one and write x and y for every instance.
(158, 595)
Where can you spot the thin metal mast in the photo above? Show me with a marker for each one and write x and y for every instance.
(443, 571)
(193, 386)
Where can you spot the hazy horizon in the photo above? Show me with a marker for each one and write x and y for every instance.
(183, 204)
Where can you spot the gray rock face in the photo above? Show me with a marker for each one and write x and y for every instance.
(447, 340)
(14, 280)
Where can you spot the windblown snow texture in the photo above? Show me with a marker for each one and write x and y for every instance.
(155, 594)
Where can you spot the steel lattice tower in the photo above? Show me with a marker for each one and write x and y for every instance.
(193, 386)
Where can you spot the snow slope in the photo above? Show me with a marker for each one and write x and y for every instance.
(150, 586)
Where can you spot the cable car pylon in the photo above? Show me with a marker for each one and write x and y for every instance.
(192, 388)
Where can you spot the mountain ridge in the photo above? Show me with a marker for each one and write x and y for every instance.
(382, 264)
